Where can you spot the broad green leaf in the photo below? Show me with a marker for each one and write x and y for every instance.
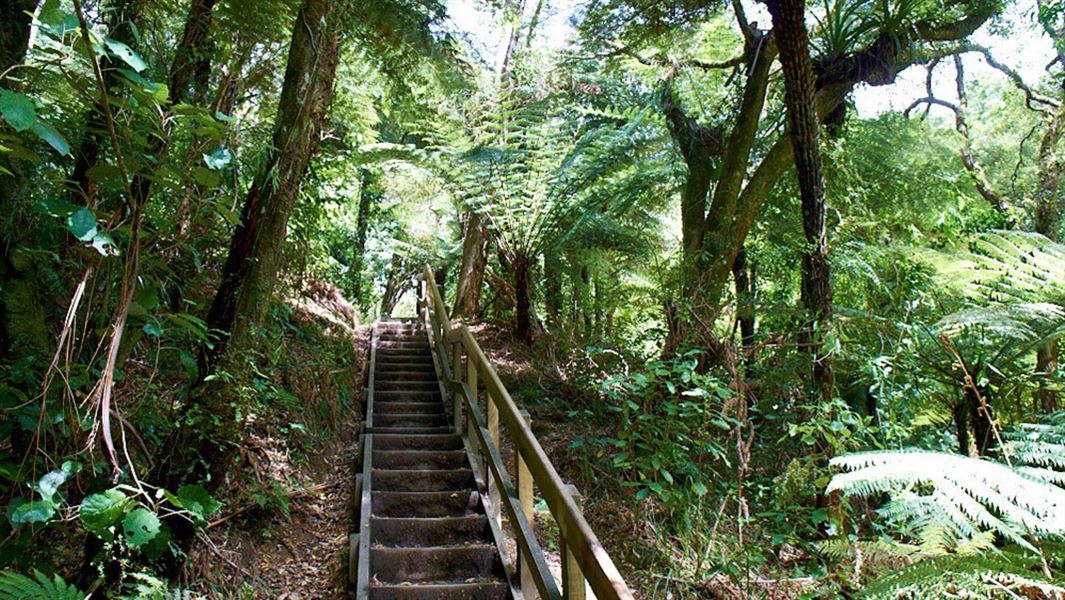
(103, 243)
(140, 527)
(126, 53)
(36, 511)
(218, 159)
(51, 13)
(100, 511)
(196, 500)
(82, 224)
(18, 110)
(206, 177)
(55, 139)
(57, 208)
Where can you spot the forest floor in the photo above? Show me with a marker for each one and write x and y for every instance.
(288, 537)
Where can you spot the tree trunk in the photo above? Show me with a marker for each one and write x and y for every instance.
(15, 19)
(960, 412)
(192, 63)
(983, 435)
(213, 423)
(122, 23)
(471, 270)
(523, 297)
(1048, 222)
(14, 40)
(393, 285)
(799, 98)
(553, 289)
(743, 277)
(370, 194)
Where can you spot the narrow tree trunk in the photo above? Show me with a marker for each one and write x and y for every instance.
(960, 412)
(393, 285)
(597, 307)
(799, 97)
(14, 40)
(15, 19)
(1048, 207)
(983, 436)
(523, 297)
(122, 18)
(213, 423)
(471, 270)
(369, 195)
(553, 289)
(192, 63)
(743, 276)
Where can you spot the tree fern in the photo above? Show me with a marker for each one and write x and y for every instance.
(15, 586)
(953, 502)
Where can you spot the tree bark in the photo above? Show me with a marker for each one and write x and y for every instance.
(122, 23)
(523, 297)
(15, 20)
(394, 285)
(214, 420)
(743, 278)
(471, 270)
(800, 100)
(370, 194)
(553, 289)
(1048, 208)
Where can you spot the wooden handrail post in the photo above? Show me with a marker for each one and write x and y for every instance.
(492, 419)
(572, 578)
(525, 500)
(471, 380)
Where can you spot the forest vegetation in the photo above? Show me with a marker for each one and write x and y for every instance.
(785, 277)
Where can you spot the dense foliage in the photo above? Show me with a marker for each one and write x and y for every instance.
(809, 346)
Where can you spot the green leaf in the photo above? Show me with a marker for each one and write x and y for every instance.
(196, 500)
(82, 224)
(48, 485)
(699, 488)
(206, 177)
(218, 159)
(57, 208)
(126, 53)
(51, 13)
(103, 243)
(140, 527)
(37, 511)
(18, 110)
(55, 139)
(100, 511)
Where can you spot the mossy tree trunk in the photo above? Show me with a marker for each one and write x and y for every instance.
(471, 269)
(212, 424)
(800, 100)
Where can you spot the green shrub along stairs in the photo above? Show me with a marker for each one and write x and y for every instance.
(433, 491)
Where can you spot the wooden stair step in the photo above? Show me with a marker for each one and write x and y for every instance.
(425, 504)
(487, 590)
(409, 408)
(419, 480)
(411, 532)
(409, 420)
(420, 459)
(448, 441)
(443, 564)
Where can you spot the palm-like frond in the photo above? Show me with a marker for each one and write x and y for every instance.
(15, 586)
(954, 501)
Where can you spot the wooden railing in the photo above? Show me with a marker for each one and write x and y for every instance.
(584, 558)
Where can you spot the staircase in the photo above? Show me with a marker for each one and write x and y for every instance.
(425, 535)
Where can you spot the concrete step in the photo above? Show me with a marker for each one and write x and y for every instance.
(426, 504)
(420, 459)
(416, 480)
(445, 442)
(445, 564)
(410, 532)
(488, 590)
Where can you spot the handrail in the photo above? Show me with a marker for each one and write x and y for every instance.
(585, 558)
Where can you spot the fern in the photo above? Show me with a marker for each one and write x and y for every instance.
(15, 586)
(1003, 574)
(953, 502)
